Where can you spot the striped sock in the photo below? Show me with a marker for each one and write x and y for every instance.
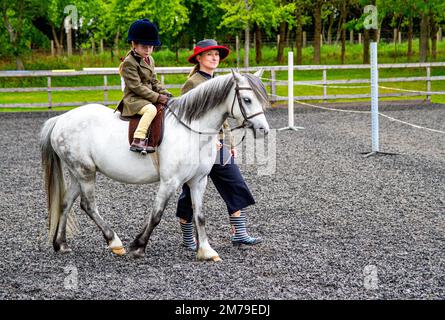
(240, 228)
(187, 235)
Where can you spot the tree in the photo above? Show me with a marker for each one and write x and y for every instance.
(170, 16)
(243, 14)
(317, 9)
(202, 13)
(285, 16)
(342, 25)
(301, 19)
(16, 17)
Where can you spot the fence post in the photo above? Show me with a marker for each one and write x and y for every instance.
(50, 100)
(325, 88)
(428, 84)
(106, 89)
(273, 85)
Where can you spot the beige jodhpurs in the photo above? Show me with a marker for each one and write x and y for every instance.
(148, 112)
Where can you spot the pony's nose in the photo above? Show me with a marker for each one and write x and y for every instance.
(264, 130)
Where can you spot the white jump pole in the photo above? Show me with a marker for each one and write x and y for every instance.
(290, 88)
(375, 104)
(290, 93)
(374, 98)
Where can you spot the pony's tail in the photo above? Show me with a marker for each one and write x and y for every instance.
(54, 181)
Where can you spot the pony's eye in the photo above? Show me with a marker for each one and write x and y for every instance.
(247, 100)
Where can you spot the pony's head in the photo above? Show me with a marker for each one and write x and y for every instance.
(249, 102)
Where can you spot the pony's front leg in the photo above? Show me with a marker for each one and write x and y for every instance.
(205, 251)
(166, 190)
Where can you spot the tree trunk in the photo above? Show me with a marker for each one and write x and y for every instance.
(61, 38)
(177, 50)
(19, 63)
(299, 38)
(317, 32)
(258, 45)
(423, 42)
(246, 45)
(246, 40)
(433, 33)
(344, 13)
(331, 23)
(59, 46)
(410, 38)
(339, 30)
(116, 41)
(281, 44)
(365, 46)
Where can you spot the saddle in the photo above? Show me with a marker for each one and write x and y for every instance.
(155, 131)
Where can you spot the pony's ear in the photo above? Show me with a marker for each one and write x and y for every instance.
(259, 73)
(236, 75)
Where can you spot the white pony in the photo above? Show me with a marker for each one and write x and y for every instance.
(92, 139)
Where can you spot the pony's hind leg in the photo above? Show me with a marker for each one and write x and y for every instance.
(205, 251)
(166, 190)
(73, 191)
(88, 204)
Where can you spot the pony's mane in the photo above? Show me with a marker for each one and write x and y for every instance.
(195, 103)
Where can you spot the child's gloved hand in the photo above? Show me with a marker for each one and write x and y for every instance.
(163, 99)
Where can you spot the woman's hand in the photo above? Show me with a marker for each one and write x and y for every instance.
(218, 145)
(234, 152)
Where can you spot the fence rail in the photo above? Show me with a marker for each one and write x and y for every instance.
(271, 82)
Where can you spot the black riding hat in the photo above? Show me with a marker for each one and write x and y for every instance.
(144, 32)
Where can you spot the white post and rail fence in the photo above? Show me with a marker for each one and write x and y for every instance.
(273, 82)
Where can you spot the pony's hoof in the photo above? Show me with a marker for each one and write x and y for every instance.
(214, 259)
(120, 251)
(137, 253)
(63, 249)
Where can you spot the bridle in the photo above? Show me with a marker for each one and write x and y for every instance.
(241, 107)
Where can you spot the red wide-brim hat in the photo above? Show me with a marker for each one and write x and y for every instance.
(206, 45)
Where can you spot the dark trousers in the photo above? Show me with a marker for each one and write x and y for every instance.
(231, 186)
